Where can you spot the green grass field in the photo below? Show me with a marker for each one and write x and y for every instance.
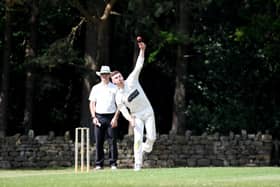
(196, 177)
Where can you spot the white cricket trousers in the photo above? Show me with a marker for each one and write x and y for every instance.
(144, 120)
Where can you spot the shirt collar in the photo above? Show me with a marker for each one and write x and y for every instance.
(105, 84)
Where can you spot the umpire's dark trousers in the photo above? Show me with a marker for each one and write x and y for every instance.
(105, 131)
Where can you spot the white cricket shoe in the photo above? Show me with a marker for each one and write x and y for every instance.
(98, 168)
(137, 167)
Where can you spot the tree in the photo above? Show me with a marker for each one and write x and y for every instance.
(6, 66)
(179, 106)
(30, 52)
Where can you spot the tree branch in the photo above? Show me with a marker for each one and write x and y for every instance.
(75, 29)
(88, 16)
(83, 11)
(108, 9)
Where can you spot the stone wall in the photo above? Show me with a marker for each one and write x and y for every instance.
(169, 151)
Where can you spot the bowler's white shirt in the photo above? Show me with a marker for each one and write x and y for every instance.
(104, 97)
(132, 95)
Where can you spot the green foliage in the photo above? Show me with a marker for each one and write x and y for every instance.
(154, 24)
(57, 17)
(240, 62)
(163, 8)
(166, 39)
(60, 70)
(59, 53)
(219, 118)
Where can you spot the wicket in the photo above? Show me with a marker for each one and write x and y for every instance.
(82, 133)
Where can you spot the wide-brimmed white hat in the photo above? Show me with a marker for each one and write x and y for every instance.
(104, 70)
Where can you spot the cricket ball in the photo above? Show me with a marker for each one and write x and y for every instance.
(139, 39)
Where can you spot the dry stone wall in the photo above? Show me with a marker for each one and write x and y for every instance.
(169, 151)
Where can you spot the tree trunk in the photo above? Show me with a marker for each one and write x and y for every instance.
(30, 53)
(179, 106)
(89, 77)
(96, 54)
(5, 72)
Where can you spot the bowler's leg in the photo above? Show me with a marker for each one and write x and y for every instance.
(150, 134)
(138, 138)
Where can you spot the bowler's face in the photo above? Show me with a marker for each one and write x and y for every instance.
(117, 79)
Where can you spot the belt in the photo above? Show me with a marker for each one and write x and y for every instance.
(110, 114)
